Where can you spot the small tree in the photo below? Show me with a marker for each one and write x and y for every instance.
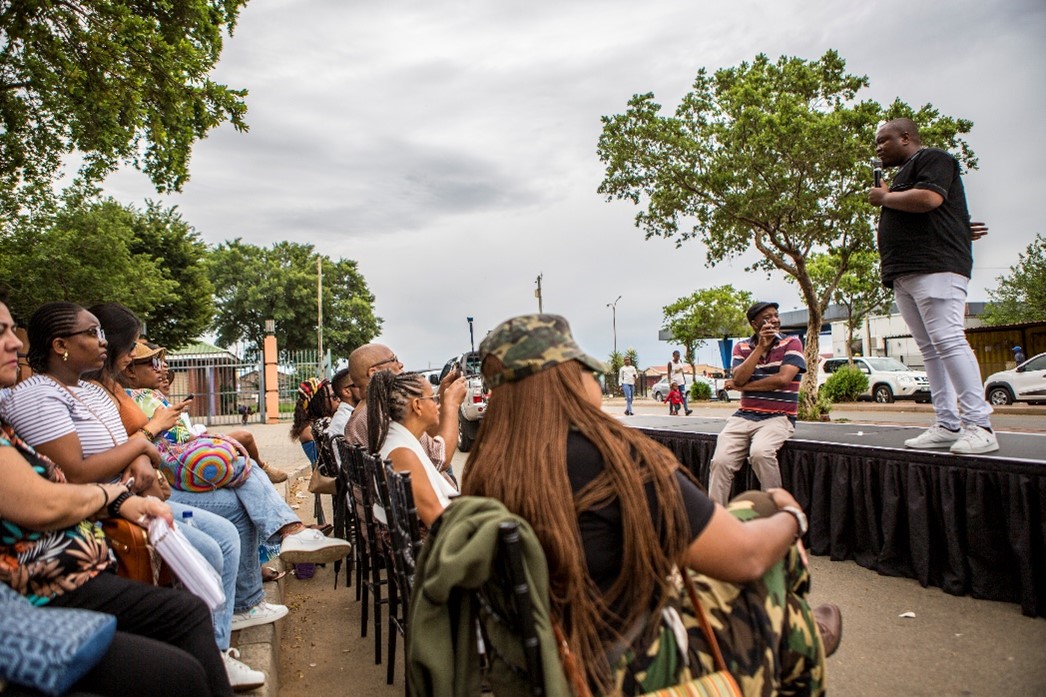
(1021, 295)
(704, 314)
(845, 385)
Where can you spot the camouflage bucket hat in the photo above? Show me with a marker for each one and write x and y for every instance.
(529, 344)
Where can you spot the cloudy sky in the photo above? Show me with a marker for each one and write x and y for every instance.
(450, 147)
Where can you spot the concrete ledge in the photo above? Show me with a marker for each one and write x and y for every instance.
(259, 647)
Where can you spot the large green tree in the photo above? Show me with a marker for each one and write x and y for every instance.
(1021, 294)
(253, 284)
(706, 314)
(769, 155)
(101, 251)
(114, 80)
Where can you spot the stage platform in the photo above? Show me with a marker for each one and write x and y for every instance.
(968, 524)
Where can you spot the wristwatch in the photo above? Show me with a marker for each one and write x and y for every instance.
(799, 516)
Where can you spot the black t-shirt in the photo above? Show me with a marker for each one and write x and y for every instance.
(602, 533)
(933, 242)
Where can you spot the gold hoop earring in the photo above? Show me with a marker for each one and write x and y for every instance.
(65, 357)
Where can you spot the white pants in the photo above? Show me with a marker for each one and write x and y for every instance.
(933, 306)
(743, 438)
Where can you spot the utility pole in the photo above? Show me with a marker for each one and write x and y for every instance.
(537, 293)
(613, 308)
(472, 339)
(319, 316)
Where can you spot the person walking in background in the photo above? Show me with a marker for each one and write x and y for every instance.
(1018, 355)
(676, 375)
(626, 377)
(675, 399)
(925, 246)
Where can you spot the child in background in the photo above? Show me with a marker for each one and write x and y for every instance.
(674, 399)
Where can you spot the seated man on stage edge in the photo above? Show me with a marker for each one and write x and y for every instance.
(766, 369)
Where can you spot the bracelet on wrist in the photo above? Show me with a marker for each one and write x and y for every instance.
(147, 433)
(105, 494)
(114, 507)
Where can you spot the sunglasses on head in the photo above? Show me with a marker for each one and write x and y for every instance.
(156, 363)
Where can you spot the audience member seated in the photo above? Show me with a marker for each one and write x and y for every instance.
(316, 401)
(367, 360)
(402, 408)
(348, 397)
(143, 381)
(51, 553)
(257, 510)
(634, 518)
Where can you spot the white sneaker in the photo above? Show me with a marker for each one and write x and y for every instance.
(241, 676)
(936, 436)
(262, 613)
(975, 440)
(311, 546)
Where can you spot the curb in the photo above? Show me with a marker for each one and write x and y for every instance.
(259, 646)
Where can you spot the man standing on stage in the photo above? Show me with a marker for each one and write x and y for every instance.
(927, 258)
(767, 368)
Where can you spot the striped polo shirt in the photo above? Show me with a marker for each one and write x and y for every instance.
(757, 406)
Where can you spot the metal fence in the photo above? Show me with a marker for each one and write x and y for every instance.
(229, 388)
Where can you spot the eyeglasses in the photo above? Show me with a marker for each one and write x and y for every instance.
(156, 363)
(392, 359)
(434, 398)
(95, 331)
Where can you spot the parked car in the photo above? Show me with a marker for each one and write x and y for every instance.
(888, 378)
(659, 391)
(476, 396)
(1025, 383)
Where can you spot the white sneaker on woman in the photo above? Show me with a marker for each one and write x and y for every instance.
(241, 676)
(309, 545)
(975, 440)
(936, 436)
(262, 613)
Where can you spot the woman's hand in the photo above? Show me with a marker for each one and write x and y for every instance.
(141, 509)
(141, 468)
(165, 418)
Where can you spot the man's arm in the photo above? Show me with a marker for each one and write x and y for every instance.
(781, 379)
(909, 201)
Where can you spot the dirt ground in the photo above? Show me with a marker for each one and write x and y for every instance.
(952, 646)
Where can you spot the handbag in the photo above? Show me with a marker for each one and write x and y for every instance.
(717, 684)
(319, 483)
(48, 648)
(204, 463)
(136, 559)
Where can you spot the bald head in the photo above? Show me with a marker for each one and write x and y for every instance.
(369, 358)
(904, 126)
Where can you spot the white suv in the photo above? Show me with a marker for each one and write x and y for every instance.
(888, 378)
(1025, 383)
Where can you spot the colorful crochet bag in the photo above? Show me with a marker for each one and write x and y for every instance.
(204, 463)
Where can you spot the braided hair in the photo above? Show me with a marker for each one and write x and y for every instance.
(49, 322)
(388, 396)
(313, 403)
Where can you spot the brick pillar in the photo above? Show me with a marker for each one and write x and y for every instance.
(272, 381)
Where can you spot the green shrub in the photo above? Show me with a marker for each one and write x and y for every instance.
(845, 385)
(700, 390)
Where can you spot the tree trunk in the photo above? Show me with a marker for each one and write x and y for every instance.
(812, 354)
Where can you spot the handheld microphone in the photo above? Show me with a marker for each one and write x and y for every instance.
(877, 171)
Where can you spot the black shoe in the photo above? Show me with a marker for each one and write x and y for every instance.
(689, 412)
(830, 622)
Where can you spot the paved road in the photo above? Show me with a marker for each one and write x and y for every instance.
(952, 646)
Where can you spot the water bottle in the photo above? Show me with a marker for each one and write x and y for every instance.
(187, 519)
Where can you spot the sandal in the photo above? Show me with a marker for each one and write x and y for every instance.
(324, 529)
(270, 574)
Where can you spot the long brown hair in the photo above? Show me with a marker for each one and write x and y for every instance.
(520, 456)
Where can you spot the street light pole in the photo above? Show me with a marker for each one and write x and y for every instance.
(613, 309)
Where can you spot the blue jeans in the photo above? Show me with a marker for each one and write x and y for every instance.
(628, 390)
(217, 540)
(258, 512)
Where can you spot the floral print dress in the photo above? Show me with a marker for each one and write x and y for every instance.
(43, 564)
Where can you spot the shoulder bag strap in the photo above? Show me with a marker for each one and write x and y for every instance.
(706, 626)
